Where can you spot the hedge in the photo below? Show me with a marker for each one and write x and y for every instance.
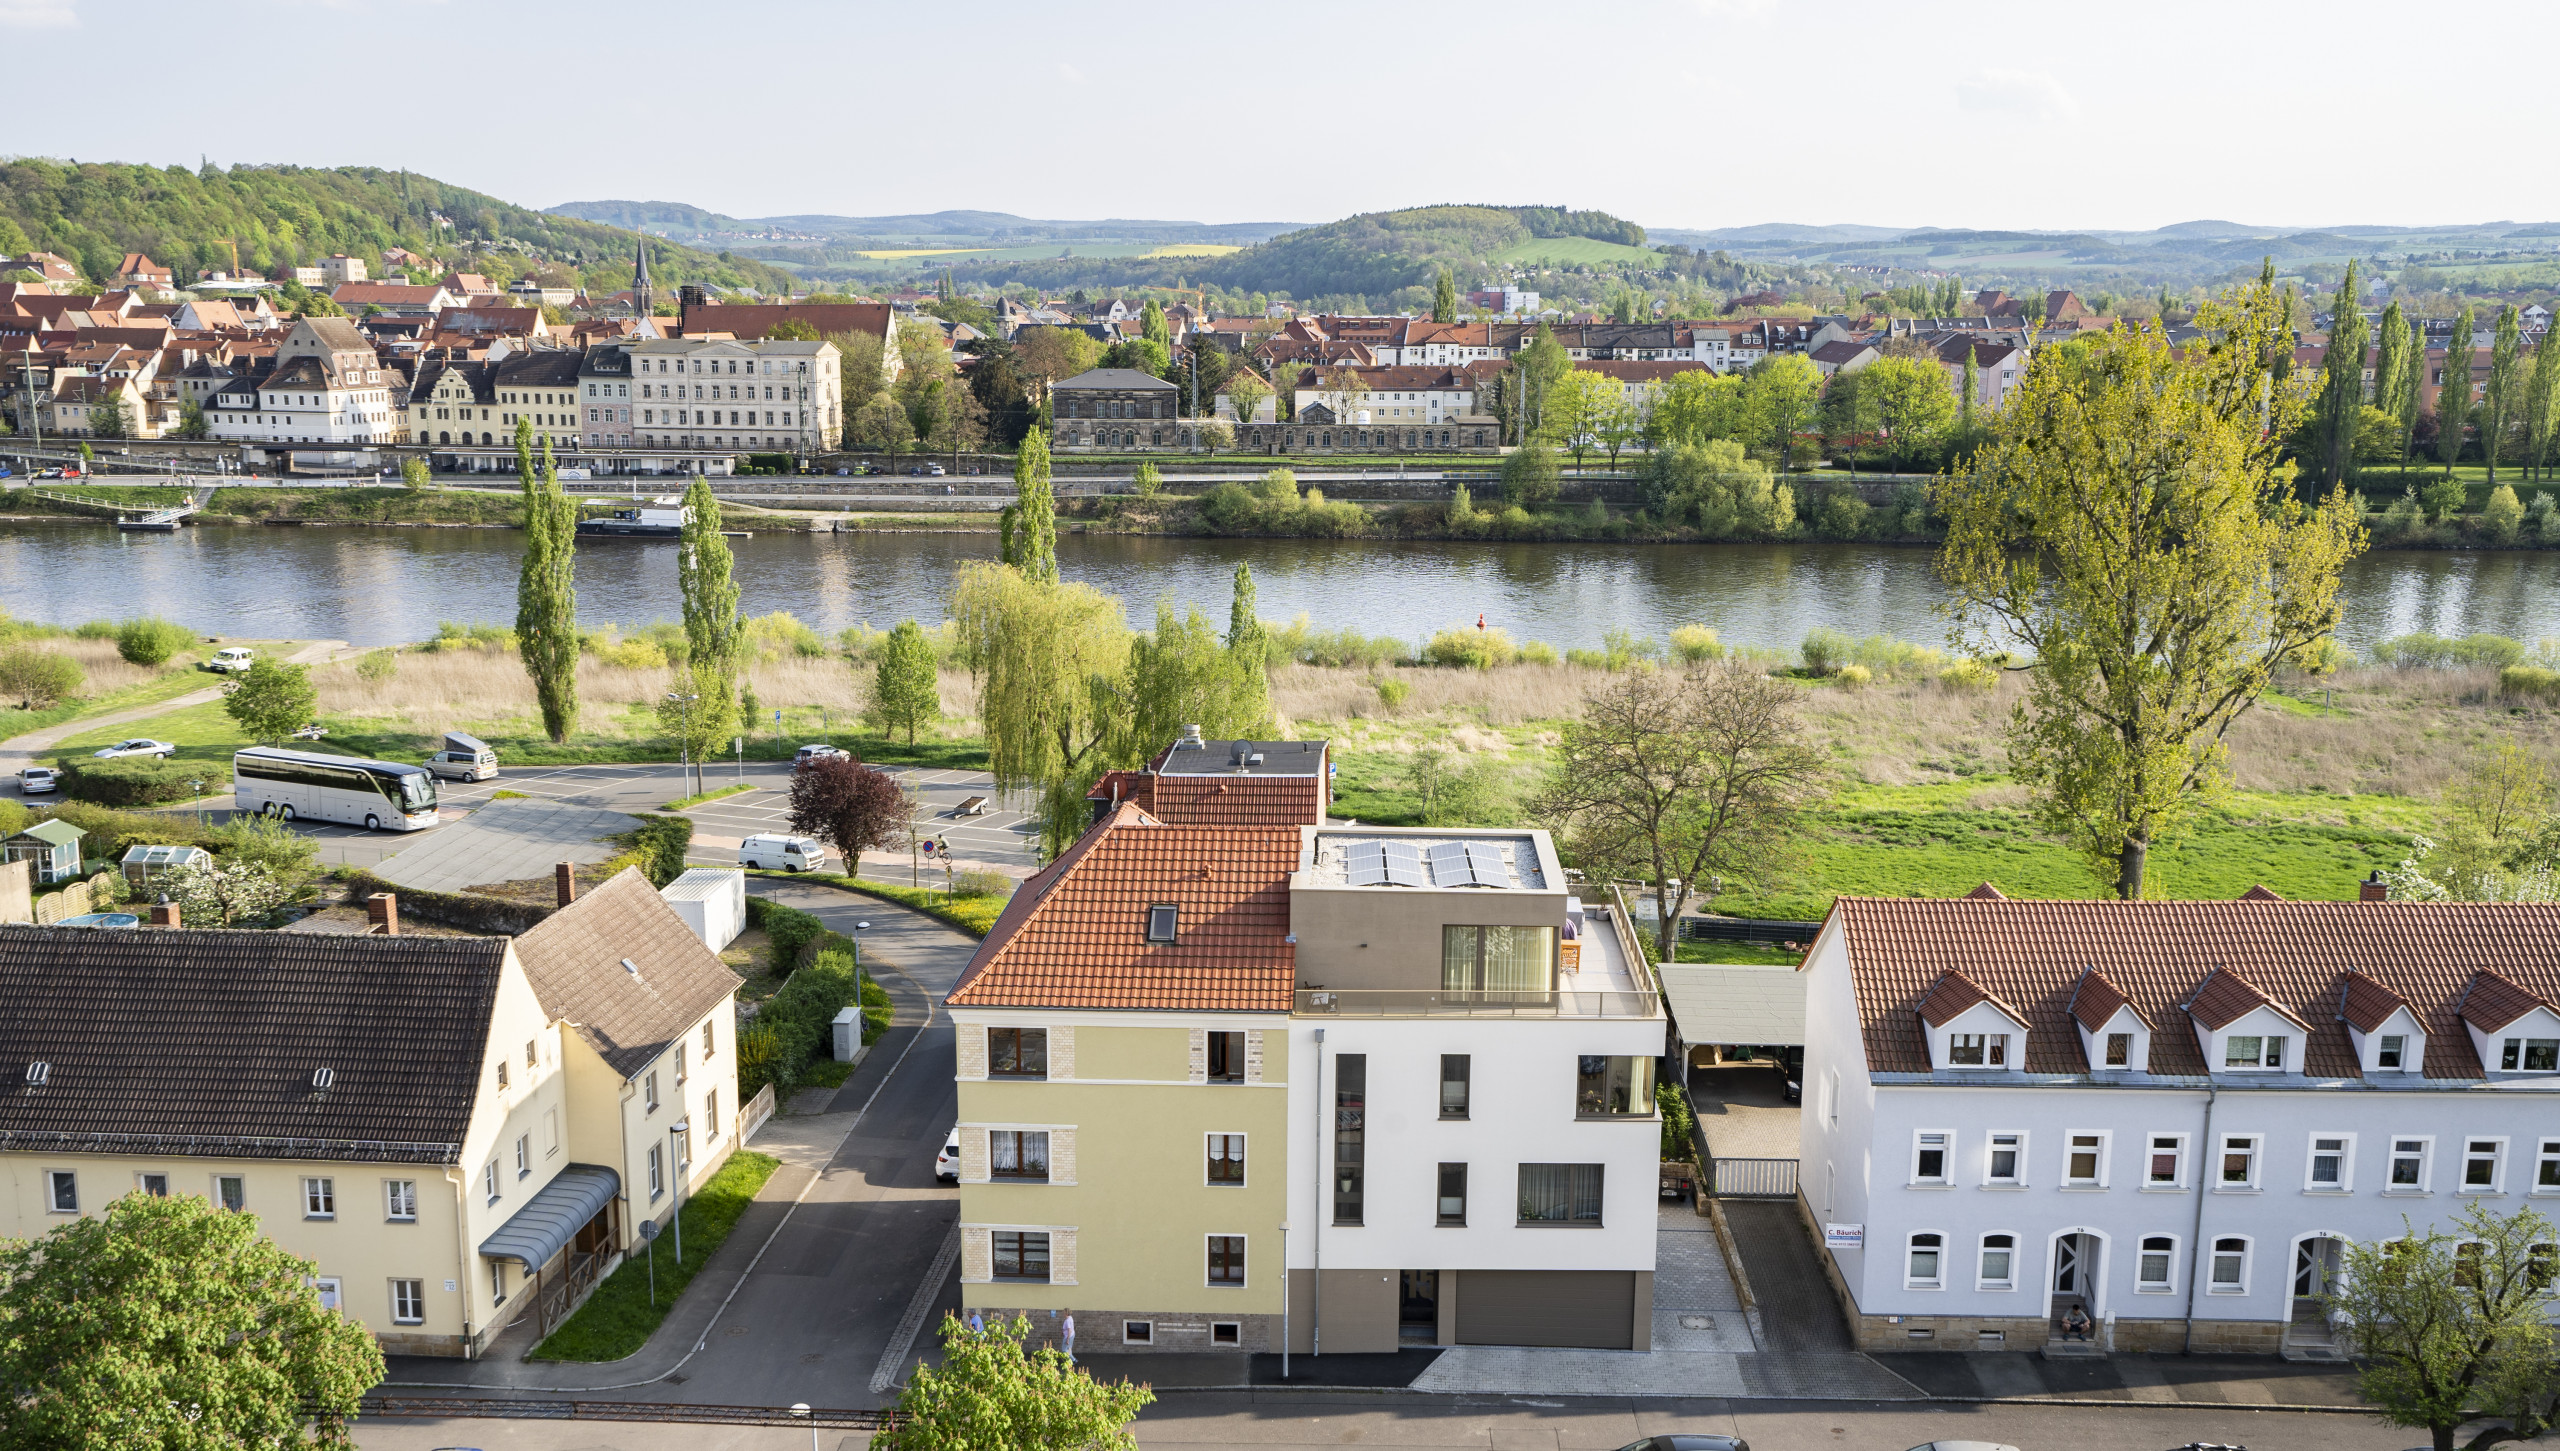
(660, 841)
(451, 909)
(137, 780)
(795, 1025)
(790, 929)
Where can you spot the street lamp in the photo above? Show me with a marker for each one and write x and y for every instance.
(676, 1155)
(801, 1409)
(684, 748)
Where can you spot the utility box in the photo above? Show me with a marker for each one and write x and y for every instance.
(848, 1044)
(712, 901)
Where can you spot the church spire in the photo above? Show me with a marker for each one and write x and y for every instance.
(641, 294)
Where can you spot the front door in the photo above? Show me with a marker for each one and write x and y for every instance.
(1418, 1316)
(2066, 1265)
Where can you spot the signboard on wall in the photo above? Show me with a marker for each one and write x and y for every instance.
(1844, 1236)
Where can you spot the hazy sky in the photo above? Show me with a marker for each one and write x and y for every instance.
(1676, 113)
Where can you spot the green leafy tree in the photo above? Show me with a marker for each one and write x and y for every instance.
(2542, 409)
(792, 330)
(1147, 481)
(271, 700)
(191, 422)
(2454, 1327)
(2131, 521)
(715, 640)
(107, 417)
(37, 678)
(2504, 398)
(1536, 369)
(1183, 674)
(1034, 547)
(547, 589)
(2412, 385)
(2391, 362)
(1049, 659)
(415, 474)
(1969, 391)
(906, 689)
(1910, 403)
(1781, 395)
(1245, 392)
(1249, 651)
(151, 640)
(1153, 327)
(1530, 476)
(227, 893)
(1577, 408)
(2453, 398)
(696, 715)
(167, 1323)
(989, 1392)
(2342, 385)
(1698, 407)
(1444, 297)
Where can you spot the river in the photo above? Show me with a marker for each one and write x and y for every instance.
(386, 586)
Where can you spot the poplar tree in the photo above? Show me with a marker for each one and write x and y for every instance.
(706, 576)
(1249, 652)
(546, 589)
(2542, 405)
(1972, 387)
(2390, 361)
(2453, 399)
(2342, 384)
(1034, 546)
(1444, 297)
(2505, 377)
(2413, 377)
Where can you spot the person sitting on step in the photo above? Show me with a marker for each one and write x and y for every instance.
(2076, 1323)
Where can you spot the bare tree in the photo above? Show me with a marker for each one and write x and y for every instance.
(1688, 778)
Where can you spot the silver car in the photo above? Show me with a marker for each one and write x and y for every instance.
(38, 781)
(139, 746)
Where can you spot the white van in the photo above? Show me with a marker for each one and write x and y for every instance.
(234, 661)
(464, 758)
(783, 853)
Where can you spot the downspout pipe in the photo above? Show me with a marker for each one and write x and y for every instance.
(1324, 1161)
(2196, 1261)
(462, 1250)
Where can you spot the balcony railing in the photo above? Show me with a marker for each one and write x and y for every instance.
(1426, 1003)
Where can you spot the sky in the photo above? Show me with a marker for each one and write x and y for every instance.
(1675, 113)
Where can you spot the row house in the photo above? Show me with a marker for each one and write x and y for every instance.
(725, 393)
(327, 386)
(2175, 1115)
(749, 322)
(1393, 397)
(1217, 1084)
(359, 298)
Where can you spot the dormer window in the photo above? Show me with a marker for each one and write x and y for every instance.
(2391, 1052)
(2529, 1055)
(2251, 1051)
(2119, 1050)
(1978, 1050)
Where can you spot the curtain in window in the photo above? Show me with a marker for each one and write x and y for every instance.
(1516, 958)
(1560, 1193)
(1019, 1154)
(1458, 958)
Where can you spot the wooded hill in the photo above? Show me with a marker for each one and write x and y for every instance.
(94, 212)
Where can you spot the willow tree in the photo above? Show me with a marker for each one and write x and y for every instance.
(2130, 519)
(1032, 544)
(547, 588)
(1049, 660)
(715, 641)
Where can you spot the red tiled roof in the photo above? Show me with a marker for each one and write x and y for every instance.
(2260, 893)
(2492, 1002)
(2096, 1001)
(2298, 955)
(1954, 994)
(2368, 1004)
(1240, 800)
(2227, 997)
(1074, 936)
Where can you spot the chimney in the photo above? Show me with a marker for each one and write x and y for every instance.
(384, 909)
(564, 881)
(164, 913)
(2373, 888)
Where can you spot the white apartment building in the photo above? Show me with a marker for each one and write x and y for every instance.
(1390, 396)
(327, 387)
(2174, 1114)
(722, 393)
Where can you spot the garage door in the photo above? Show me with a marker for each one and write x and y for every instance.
(1590, 1308)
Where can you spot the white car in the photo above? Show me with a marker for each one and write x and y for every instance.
(232, 661)
(946, 1165)
(136, 747)
(806, 754)
(38, 781)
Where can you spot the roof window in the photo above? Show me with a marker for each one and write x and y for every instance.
(1163, 922)
(321, 1078)
(37, 1073)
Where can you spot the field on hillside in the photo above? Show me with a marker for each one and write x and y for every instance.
(1575, 252)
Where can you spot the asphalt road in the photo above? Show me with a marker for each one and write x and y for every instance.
(1219, 1422)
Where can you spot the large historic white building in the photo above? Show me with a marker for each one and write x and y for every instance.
(716, 393)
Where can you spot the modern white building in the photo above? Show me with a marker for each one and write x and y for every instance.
(2175, 1114)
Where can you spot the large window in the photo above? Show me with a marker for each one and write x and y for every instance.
(1454, 1073)
(1453, 1195)
(1497, 959)
(2006, 1152)
(1999, 1262)
(1226, 1260)
(1017, 1052)
(1350, 1152)
(2480, 1165)
(1929, 1157)
(65, 1188)
(1021, 1254)
(1018, 1154)
(2165, 1166)
(1925, 1268)
(2153, 1268)
(1612, 1085)
(1226, 1159)
(2408, 1166)
(2250, 1051)
(1560, 1193)
(1978, 1050)
(2230, 1267)
(1226, 1057)
(2529, 1055)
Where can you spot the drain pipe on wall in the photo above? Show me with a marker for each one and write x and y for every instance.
(1315, 1294)
(2196, 1260)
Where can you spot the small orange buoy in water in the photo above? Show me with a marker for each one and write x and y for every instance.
(1479, 622)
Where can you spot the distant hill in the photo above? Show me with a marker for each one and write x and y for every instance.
(1002, 229)
(1375, 254)
(94, 213)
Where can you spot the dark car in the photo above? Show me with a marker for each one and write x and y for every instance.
(1689, 1442)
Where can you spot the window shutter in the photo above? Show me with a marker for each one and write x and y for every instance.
(1199, 1055)
(1062, 1155)
(1253, 1055)
(973, 1050)
(1062, 1054)
(1062, 1256)
(977, 1256)
(973, 1156)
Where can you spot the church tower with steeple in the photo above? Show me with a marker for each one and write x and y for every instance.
(642, 295)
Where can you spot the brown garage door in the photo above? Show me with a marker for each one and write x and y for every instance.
(1590, 1308)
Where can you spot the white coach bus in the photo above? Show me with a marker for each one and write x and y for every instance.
(311, 786)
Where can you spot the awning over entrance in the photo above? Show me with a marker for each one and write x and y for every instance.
(553, 1217)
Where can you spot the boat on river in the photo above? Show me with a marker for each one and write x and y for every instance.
(650, 521)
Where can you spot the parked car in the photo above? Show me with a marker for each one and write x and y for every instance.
(934, 470)
(232, 661)
(915, 471)
(464, 758)
(783, 853)
(311, 732)
(946, 1165)
(806, 754)
(844, 473)
(1679, 1441)
(1963, 1446)
(869, 469)
(39, 781)
(138, 746)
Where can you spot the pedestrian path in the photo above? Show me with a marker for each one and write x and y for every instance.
(1695, 1304)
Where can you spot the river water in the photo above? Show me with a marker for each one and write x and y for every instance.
(385, 586)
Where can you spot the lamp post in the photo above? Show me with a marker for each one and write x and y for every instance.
(677, 1133)
(684, 748)
(801, 1409)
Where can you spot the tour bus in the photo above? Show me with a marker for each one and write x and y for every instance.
(309, 785)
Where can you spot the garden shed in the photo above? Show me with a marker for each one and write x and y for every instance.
(52, 845)
(144, 865)
(712, 901)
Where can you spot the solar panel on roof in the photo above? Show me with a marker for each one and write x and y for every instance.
(1404, 865)
(1449, 867)
(1484, 859)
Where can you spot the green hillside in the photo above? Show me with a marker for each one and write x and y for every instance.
(1576, 252)
(93, 213)
(1378, 253)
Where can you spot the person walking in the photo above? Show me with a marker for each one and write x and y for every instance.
(977, 1322)
(1067, 1336)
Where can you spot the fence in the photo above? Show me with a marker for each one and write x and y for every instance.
(497, 1408)
(759, 1108)
(1747, 929)
(1751, 1178)
(76, 900)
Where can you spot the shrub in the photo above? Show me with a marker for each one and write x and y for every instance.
(790, 929)
(1479, 649)
(378, 666)
(1393, 692)
(1696, 644)
(1530, 476)
(137, 780)
(799, 1018)
(1677, 1125)
(2530, 682)
(660, 842)
(2444, 496)
(37, 677)
(1968, 675)
(1854, 676)
(634, 655)
(1537, 652)
(980, 882)
(2413, 651)
(96, 630)
(1228, 506)
(1147, 482)
(151, 640)
(1825, 650)
(781, 631)
(2503, 515)
(2484, 649)
(1280, 486)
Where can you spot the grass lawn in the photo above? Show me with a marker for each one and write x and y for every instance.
(619, 1318)
(179, 678)
(1735, 952)
(715, 793)
(974, 915)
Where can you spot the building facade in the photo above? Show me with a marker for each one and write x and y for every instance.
(737, 395)
(327, 387)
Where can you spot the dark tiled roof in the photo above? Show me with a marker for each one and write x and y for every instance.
(2095, 1001)
(574, 960)
(2227, 997)
(1074, 936)
(205, 1042)
(2031, 954)
(2492, 1002)
(1955, 993)
(749, 321)
(1117, 379)
(541, 368)
(2368, 1004)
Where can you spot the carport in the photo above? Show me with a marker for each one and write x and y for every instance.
(1729, 1012)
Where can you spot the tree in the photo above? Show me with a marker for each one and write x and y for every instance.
(191, 422)
(1034, 548)
(884, 424)
(1969, 390)
(169, 1323)
(1444, 297)
(1530, 478)
(414, 473)
(1146, 481)
(1000, 394)
(1345, 392)
(2391, 362)
(2413, 378)
(2451, 1328)
(2505, 396)
(2131, 521)
(2541, 410)
(1697, 407)
(1153, 327)
(1576, 408)
(546, 589)
(792, 330)
(1698, 778)
(706, 581)
(849, 805)
(697, 714)
(1051, 355)
(1245, 392)
(1780, 393)
(107, 417)
(151, 640)
(40, 679)
(1183, 674)
(227, 893)
(989, 1392)
(906, 690)
(1622, 424)
(2342, 384)
(1048, 658)
(1909, 402)
(271, 700)
(2453, 398)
